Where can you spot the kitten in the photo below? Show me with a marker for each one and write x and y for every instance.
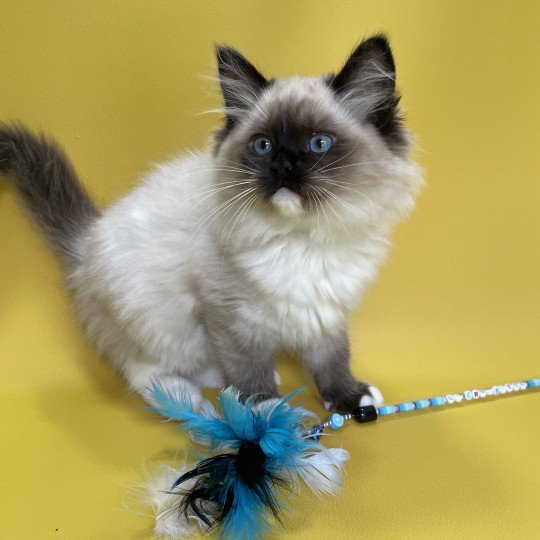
(268, 241)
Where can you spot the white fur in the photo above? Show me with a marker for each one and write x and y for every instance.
(135, 290)
(376, 397)
(287, 202)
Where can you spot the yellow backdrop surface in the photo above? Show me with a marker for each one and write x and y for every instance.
(456, 306)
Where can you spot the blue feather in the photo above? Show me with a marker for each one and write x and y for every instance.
(239, 416)
(234, 489)
(245, 521)
(215, 432)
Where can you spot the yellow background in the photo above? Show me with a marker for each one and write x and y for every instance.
(456, 306)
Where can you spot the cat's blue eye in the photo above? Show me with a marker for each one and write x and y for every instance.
(262, 145)
(320, 143)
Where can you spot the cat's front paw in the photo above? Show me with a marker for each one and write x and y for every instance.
(373, 397)
(364, 394)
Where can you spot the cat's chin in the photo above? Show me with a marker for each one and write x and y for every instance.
(287, 202)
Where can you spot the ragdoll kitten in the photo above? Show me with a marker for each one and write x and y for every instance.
(267, 241)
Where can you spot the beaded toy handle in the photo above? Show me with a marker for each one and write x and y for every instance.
(370, 413)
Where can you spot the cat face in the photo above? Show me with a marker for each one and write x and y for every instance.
(306, 147)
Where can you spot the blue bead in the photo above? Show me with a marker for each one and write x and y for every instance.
(386, 410)
(404, 407)
(336, 421)
(316, 433)
(422, 404)
(533, 383)
(436, 401)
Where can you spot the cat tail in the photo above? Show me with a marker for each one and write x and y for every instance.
(48, 186)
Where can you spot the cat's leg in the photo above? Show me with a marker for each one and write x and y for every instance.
(141, 376)
(210, 377)
(328, 363)
(247, 366)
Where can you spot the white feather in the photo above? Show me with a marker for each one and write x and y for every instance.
(322, 471)
(170, 523)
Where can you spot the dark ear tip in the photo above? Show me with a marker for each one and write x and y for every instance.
(378, 41)
(377, 46)
(221, 50)
(226, 54)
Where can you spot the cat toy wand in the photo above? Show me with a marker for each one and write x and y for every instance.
(264, 449)
(370, 413)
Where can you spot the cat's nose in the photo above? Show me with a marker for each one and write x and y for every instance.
(282, 166)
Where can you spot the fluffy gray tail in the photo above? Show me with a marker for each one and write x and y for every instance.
(48, 186)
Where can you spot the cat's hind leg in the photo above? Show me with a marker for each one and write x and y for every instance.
(209, 377)
(141, 377)
(248, 366)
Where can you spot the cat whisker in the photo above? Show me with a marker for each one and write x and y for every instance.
(253, 163)
(209, 193)
(217, 110)
(220, 210)
(316, 200)
(217, 169)
(340, 221)
(326, 169)
(215, 211)
(255, 202)
(234, 165)
(235, 214)
(339, 159)
(228, 168)
(380, 182)
(344, 203)
(241, 165)
(226, 184)
(317, 162)
(335, 180)
(338, 184)
(327, 221)
(243, 207)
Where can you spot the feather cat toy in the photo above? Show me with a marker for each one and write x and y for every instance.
(264, 450)
(261, 451)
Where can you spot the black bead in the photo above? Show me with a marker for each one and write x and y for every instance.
(365, 414)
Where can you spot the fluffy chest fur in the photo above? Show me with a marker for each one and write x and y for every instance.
(302, 286)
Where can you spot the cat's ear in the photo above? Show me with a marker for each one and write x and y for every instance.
(367, 84)
(241, 83)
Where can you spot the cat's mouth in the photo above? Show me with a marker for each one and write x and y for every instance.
(287, 202)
